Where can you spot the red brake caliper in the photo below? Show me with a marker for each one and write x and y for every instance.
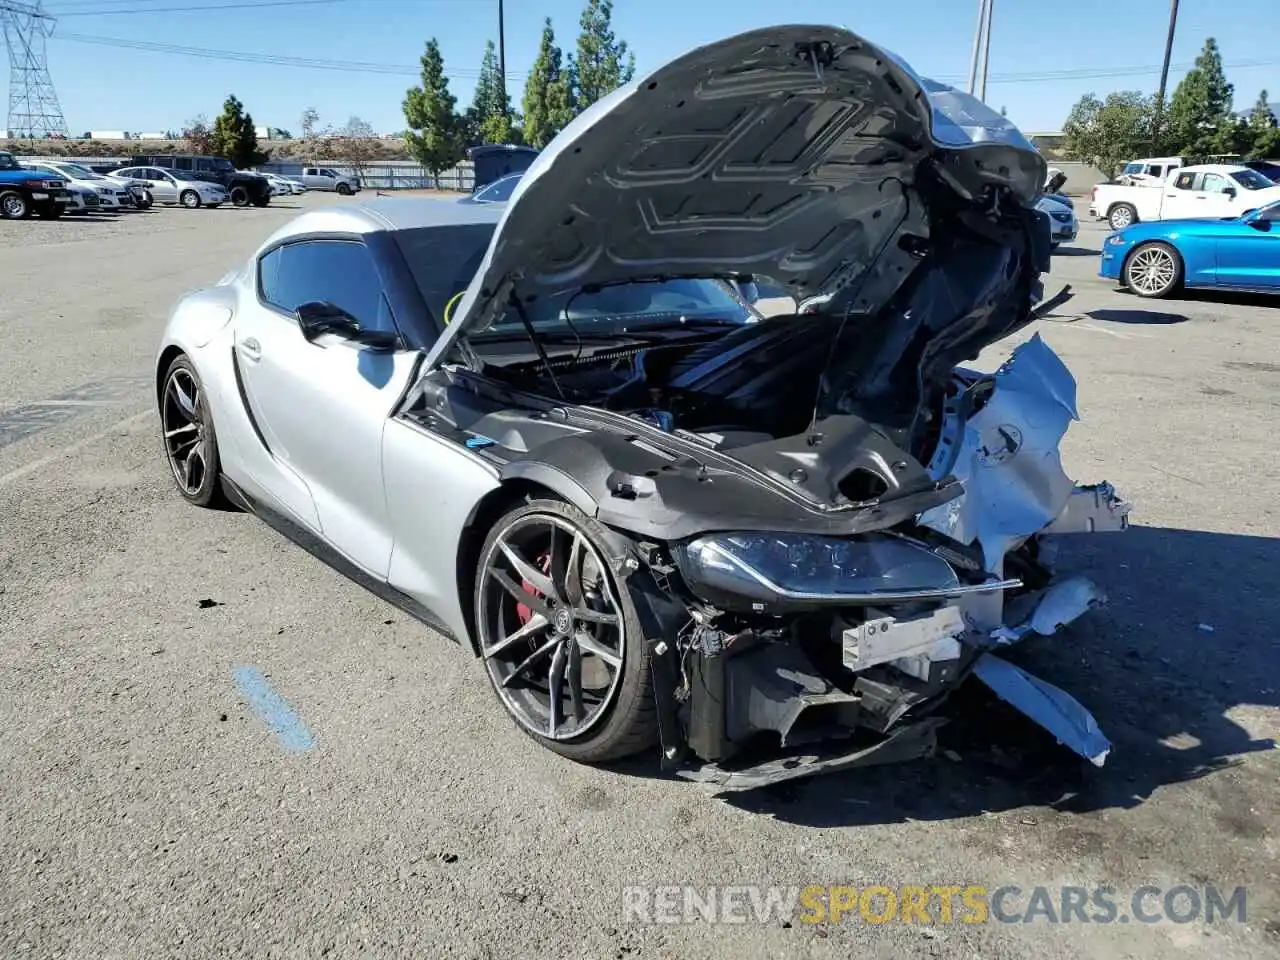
(523, 612)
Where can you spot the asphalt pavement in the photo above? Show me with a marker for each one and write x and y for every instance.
(214, 746)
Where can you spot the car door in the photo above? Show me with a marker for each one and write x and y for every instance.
(163, 188)
(309, 177)
(1248, 254)
(321, 406)
(1221, 196)
(1183, 197)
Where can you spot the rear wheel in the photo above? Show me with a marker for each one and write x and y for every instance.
(14, 206)
(239, 197)
(344, 190)
(1121, 215)
(560, 638)
(1153, 270)
(262, 201)
(190, 445)
(189, 199)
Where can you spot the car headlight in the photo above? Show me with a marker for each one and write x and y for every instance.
(778, 567)
(1117, 239)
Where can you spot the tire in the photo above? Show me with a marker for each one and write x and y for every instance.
(344, 190)
(262, 201)
(1121, 216)
(51, 213)
(187, 436)
(616, 716)
(14, 206)
(190, 199)
(1153, 270)
(239, 197)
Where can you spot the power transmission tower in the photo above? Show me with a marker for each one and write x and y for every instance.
(34, 110)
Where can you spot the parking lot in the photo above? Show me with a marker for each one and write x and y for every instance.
(148, 812)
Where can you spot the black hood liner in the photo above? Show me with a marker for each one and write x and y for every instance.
(975, 286)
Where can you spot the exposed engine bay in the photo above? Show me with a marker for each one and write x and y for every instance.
(829, 524)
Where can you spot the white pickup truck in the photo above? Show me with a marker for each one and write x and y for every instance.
(1176, 192)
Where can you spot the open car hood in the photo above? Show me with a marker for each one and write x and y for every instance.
(788, 152)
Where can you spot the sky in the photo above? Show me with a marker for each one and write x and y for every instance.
(1044, 55)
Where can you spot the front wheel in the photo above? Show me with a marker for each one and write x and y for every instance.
(1121, 216)
(190, 199)
(190, 445)
(560, 637)
(14, 206)
(1153, 270)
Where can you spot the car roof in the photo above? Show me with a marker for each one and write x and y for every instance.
(388, 213)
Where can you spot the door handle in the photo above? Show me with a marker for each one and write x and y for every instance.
(251, 349)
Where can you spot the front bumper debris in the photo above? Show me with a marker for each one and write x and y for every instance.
(870, 690)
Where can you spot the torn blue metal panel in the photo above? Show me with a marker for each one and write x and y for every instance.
(1054, 709)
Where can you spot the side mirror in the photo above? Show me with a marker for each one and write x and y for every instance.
(319, 317)
(1230, 192)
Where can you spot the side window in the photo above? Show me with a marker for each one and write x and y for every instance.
(183, 163)
(1156, 170)
(165, 162)
(328, 173)
(1213, 183)
(340, 272)
(1185, 181)
(309, 172)
(204, 165)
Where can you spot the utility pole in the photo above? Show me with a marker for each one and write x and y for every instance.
(986, 53)
(1164, 77)
(502, 57)
(977, 46)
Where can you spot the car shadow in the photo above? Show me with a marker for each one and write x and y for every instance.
(1234, 297)
(1076, 252)
(1135, 316)
(1187, 636)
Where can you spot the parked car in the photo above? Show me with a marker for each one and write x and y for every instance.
(1063, 226)
(326, 178)
(141, 196)
(1268, 168)
(1156, 259)
(657, 518)
(499, 191)
(169, 187)
(24, 192)
(112, 195)
(243, 188)
(493, 161)
(284, 186)
(1208, 190)
(278, 189)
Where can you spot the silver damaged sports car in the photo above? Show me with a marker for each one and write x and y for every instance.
(554, 431)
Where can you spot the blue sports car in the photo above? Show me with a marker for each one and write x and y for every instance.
(1154, 258)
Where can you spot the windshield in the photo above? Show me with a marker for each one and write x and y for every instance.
(444, 259)
(78, 172)
(1252, 180)
(499, 191)
(8, 163)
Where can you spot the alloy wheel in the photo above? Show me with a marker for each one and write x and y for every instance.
(1151, 271)
(186, 437)
(551, 629)
(14, 207)
(1121, 217)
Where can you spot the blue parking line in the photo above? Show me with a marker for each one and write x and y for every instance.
(272, 709)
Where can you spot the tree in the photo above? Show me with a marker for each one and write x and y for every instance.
(432, 137)
(310, 117)
(489, 119)
(235, 137)
(198, 136)
(354, 145)
(1106, 133)
(548, 93)
(1264, 135)
(603, 62)
(1200, 108)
